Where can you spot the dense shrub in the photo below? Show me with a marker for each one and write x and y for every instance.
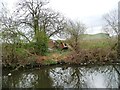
(41, 45)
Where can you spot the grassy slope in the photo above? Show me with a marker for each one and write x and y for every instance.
(94, 36)
(100, 40)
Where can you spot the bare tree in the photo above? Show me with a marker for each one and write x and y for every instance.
(42, 21)
(112, 26)
(74, 30)
(118, 48)
(9, 27)
(37, 16)
(111, 22)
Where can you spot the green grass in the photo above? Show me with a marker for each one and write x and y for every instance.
(94, 36)
(97, 43)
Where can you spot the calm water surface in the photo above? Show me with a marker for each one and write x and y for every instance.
(64, 76)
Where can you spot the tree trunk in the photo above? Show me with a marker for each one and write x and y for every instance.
(36, 28)
(118, 49)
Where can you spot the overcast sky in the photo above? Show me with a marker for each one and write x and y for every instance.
(88, 11)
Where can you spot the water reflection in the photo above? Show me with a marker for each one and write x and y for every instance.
(28, 79)
(66, 77)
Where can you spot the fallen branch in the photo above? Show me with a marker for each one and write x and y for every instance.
(30, 53)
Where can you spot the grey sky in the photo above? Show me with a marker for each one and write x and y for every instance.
(88, 11)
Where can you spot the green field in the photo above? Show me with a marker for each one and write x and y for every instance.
(100, 40)
(94, 36)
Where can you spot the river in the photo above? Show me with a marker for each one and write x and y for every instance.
(57, 76)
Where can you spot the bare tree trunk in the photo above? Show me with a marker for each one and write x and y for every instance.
(36, 27)
(76, 44)
(118, 49)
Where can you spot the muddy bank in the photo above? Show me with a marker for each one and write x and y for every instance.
(37, 65)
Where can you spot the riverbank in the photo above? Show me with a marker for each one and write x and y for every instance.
(36, 65)
(83, 58)
(101, 51)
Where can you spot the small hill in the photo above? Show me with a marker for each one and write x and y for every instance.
(94, 36)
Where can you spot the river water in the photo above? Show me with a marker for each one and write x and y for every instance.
(106, 76)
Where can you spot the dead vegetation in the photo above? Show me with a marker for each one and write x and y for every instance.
(93, 56)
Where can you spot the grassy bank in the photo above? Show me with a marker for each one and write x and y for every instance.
(97, 51)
